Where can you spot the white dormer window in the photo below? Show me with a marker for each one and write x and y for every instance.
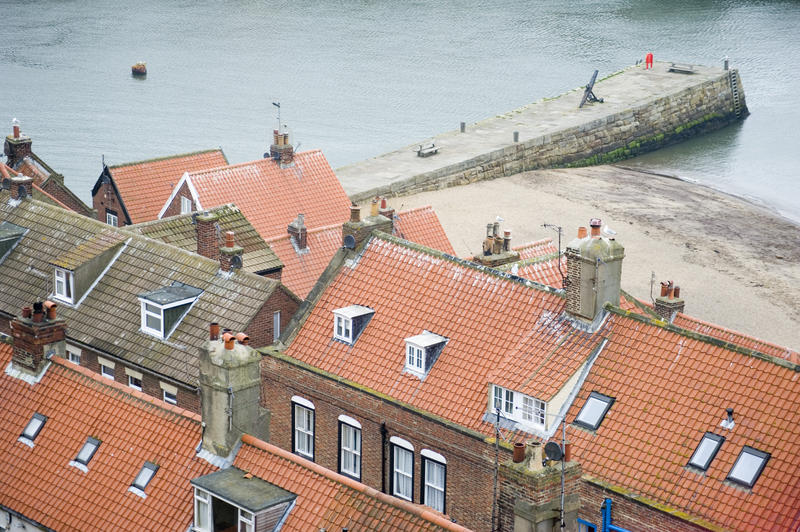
(186, 205)
(514, 406)
(64, 286)
(422, 351)
(163, 309)
(349, 322)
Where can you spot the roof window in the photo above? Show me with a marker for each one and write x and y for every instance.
(594, 411)
(32, 429)
(706, 451)
(85, 454)
(164, 308)
(748, 466)
(350, 322)
(422, 351)
(144, 477)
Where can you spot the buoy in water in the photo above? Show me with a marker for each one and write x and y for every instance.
(139, 69)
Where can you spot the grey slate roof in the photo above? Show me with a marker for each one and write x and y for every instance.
(179, 231)
(109, 316)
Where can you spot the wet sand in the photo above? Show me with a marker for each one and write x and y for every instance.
(737, 263)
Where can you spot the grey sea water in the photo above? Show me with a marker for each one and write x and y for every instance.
(358, 78)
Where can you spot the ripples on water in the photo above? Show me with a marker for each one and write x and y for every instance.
(360, 78)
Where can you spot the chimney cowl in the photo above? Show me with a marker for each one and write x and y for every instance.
(242, 338)
(595, 224)
(229, 340)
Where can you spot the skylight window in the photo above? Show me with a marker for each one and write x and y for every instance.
(349, 322)
(87, 451)
(706, 451)
(33, 428)
(748, 466)
(145, 475)
(422, 351)
(594, 410)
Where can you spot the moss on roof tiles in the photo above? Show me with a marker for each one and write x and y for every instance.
(108, 318)
(180, 231)
(89, 249)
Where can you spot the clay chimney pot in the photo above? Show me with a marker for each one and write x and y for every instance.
(26, 312)
(677, 292)
(213, 331)
(595, 224)
(229, 340)
(355, 213)
(242, 338)
(229, 239)
(582, 232)
(664, 288)
(51, 309)
(373, 209)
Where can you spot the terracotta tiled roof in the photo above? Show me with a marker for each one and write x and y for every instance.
(181, 232)
(695, 324)
(109, 317)
(302, 268)
(146, 185)
(537, 248)
(542, 269)
(271, 197)
(330, 501)
(421, 225)
(670, 388)
(413, 288)
(133, 428)
(6, 172)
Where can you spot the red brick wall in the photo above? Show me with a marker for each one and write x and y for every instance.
(627, 513)
(470, 460)
(260, 328)
(56, 188)
(175, 207)
(106, 198)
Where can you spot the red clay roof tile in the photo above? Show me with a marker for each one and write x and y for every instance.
(146, 185)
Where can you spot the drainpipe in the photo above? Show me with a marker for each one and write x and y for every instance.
(384, 432)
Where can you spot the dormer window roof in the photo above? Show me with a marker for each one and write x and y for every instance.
(594, 411)
(349, 322)
(164, 308)
(9, 236)
(422, 351)
(78, 270)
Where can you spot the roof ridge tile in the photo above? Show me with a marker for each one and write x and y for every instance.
(166, 158)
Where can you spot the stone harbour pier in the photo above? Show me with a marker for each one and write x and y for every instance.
(642, 110)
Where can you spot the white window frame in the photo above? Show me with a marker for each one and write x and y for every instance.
(186, 205)
(533, 410)
(169, 397)
(402, 448)
(351, 426)
(202, 497)
(431, 457)
(246, 524)
(415, 358)
(107, 371)
(132, 384)
(145, 312)
(74, 354)
(112, 219)
(343, 328)
(303, 433)
(66, 280)
(276, 325)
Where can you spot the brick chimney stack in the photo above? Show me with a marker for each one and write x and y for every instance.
(21, 186)
(298, 232)
(496, 247)
(280, 150)
(17, 145)
(669, 303)
(229, 252)
(37, 334)
(360, 229)
(207, 230)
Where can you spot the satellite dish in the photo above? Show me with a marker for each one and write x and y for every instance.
(236, 261)
(6, 184)
(552, 451)
(350, 242)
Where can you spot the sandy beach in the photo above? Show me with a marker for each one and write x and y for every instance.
(737, 263)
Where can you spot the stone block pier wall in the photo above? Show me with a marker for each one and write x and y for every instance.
(702, 106)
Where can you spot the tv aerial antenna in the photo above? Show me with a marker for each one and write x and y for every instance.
(560, 230)
(278, 105)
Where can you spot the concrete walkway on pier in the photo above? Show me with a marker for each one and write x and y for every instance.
(624, 90)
